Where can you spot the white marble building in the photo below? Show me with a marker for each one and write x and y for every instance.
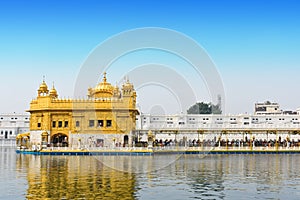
(204, 127)
(11, 124)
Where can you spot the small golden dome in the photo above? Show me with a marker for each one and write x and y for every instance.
(43, 86)
(43, 89)
(44, 133)
(127, 85)
(53, 92)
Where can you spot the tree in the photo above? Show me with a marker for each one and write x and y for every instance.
(216, 109)
(204, 108)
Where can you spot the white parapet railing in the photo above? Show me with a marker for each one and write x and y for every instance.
(228, 126)
(174, 148)
(86, 148)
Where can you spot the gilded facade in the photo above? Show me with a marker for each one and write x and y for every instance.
(105, 118)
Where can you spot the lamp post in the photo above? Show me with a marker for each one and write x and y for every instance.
(175, 134)
(150, 139)
(57, 141)
(200, 132)
(226, 139)
(79, 143)
(277, 140)
(44, 140)
(267, 137)
(114, 144)
(198, 136)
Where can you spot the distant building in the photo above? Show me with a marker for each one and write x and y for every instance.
(11, 124)
(267, 108)
(194, 127)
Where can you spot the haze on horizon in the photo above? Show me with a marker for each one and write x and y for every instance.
(255, 46)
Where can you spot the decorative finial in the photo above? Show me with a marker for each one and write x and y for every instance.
(104, 77)
(53, 84)
(43, 78)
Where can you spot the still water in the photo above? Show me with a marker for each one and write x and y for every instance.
(157, 177)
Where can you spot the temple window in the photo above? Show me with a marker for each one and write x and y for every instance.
(54, 124)
(91, 123)
(100, 123)
(77, 123)
(108, 123)
(66, 123)
(39, 125)
(59, 124)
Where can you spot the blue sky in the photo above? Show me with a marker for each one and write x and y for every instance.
(254, 44)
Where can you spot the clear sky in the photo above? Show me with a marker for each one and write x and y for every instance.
(255, 45)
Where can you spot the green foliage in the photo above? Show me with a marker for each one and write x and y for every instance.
(204, 108)
(216, 109)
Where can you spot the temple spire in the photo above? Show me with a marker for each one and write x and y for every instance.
(104, 77)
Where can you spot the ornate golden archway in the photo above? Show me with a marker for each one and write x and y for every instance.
(59, 140)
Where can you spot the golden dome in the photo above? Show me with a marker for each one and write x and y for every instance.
(103, 89)
(43, 89)
(43, 86)
(53, 92)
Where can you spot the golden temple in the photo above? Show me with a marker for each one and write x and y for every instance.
(105, 118)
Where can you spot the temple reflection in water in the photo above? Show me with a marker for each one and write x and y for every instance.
(70, 177)
(157, 177)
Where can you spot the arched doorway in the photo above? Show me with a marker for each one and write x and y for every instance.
(125, 140)
(59, 140)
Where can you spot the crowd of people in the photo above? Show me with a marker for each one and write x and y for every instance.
(227, 143)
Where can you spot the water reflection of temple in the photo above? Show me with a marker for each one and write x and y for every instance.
(70, 177)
